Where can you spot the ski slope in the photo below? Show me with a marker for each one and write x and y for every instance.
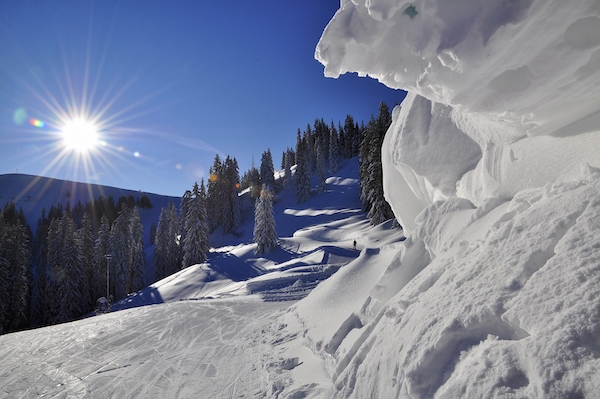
(225, 328)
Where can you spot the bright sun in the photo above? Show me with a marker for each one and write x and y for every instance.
(79, 135)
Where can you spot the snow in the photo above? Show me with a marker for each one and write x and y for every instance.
(491, 165)
(519, 80)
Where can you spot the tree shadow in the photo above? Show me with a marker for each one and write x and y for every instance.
(232, 267)
(147, 296)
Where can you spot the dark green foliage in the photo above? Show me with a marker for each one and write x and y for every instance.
(371, 172)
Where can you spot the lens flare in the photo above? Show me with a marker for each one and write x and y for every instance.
(36, 123)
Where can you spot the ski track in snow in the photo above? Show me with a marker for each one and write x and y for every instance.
(174, 350)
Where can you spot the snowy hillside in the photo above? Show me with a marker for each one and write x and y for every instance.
(491, 165)
(223, 328)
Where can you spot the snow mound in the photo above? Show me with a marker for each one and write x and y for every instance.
(485, 80)
(491, 164)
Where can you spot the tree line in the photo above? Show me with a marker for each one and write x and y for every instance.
(58, 273)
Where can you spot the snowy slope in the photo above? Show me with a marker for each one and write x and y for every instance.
(491, 165)
(220, 329)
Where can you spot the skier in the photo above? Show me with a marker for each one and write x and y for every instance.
(355, 245)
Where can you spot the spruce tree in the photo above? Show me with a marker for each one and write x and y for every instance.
(4, 275)
(152, 233)
(101, 249)
(215, 197)
(161, 255)
(265, 235)
(137, 257)
(231, 216)
(370, 168)
(288, 169)
(86, 236)
(120, 255)
(302, 174)
(167, 259)
(196, 231)
(14, 259)
(68, 272)
(333, 149)
(267, 170)
(320, 168)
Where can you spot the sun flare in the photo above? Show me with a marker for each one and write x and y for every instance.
(79, 135)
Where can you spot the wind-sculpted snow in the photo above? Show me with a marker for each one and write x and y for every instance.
(491, 165)
(497, 301)
(499, 73)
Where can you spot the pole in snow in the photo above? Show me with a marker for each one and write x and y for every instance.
(108, 257)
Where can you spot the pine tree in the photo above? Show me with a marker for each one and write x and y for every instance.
(364, 160)
(101, 249)
(309, 150)
(215, 197)
(265, 235)
(231, 216)
(267, 170)
(119, 250)
(4, 276)
(370, 168)
(86, 236)
(302, 174)
(152, 233)
(321, 186)
(196, 231)
(167, 259)
(67, 272)
(161, 255)
(14, 260)
(288, 169)
(137, 257)
(349, 131)
(183, 208)
(333, 149)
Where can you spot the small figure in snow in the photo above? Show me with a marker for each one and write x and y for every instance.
(355, 245)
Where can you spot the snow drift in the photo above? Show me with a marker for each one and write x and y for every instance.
(491, 164)
(494, 75)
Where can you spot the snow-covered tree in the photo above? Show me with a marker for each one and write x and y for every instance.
(101, 249)
(321, 169)
(302, 174)
(86, 237)
(287, 182)
(166, 247)
(215, 196)
(13, 279)
(152, 233)
(195, 243)
(65, 260)
(120, 251)
(265, 235)
(231, 216)
(137, 255)
(334, 152)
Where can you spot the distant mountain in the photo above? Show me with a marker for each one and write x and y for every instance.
(34, 193)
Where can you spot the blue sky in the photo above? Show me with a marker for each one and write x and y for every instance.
(170, 85)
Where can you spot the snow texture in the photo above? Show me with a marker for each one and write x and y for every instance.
(518, 79)
(491, 165)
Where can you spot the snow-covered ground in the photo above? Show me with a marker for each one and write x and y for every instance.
(225, 328)
(492, 166)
